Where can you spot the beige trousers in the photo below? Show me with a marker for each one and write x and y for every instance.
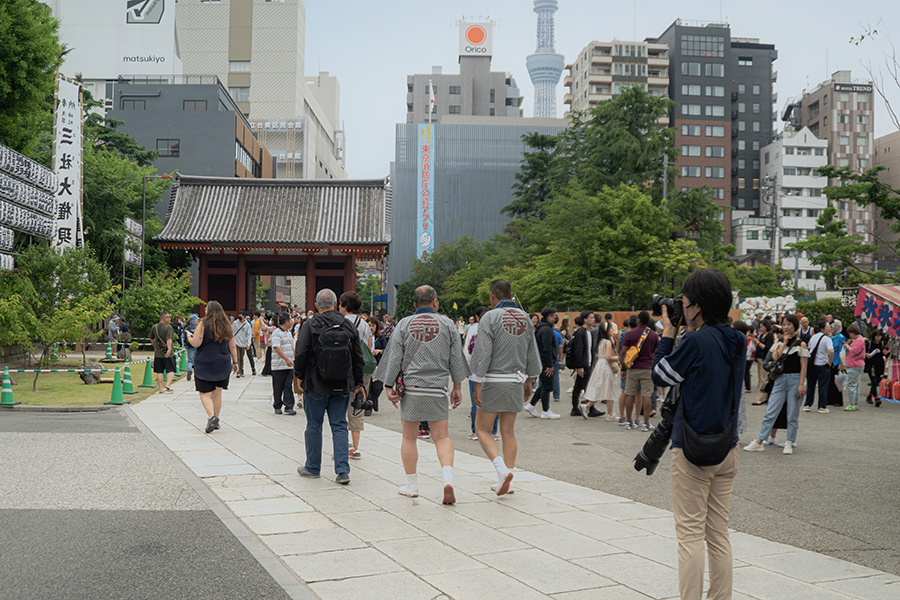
(700, 500)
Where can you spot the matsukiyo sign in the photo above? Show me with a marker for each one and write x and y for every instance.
(476, 39)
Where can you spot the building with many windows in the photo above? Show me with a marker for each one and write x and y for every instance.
(841, 111)
(887, 155)
(723, 87)
(602, 69)
(792, 200)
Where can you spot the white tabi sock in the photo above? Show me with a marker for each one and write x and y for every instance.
(448, 474)
(502, 470)
(412, 480)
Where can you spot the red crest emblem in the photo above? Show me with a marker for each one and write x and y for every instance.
(424, 328)
(515, 322)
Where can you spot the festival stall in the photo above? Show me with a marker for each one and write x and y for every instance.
(879, 307)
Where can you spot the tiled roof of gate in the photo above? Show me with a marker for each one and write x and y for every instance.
(229, 210)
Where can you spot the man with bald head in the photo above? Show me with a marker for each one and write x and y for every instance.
(328, 363)
(424, 352)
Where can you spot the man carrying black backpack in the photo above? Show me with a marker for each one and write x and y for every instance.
(328, 363)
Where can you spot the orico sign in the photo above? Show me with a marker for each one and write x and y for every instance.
(475, 39)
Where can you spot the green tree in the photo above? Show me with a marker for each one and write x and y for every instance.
(261, 291)
(367, 287)
(17, 317)
(833, 248)
(163, 290)
(534, 185)
(30, 54)
(763, 280)
(696, 215)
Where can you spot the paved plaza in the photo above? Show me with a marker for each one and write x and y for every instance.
(552, 538)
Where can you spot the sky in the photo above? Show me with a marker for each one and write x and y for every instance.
(372, 46)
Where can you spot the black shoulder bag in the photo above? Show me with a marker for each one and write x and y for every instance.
(706, 450)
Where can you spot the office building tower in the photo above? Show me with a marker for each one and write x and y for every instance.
(545, 66)
(603, 69)
(887, 154)
(475, 91)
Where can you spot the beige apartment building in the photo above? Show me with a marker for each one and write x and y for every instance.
(841, 110)
(887, 154)
(258, 48)
(602, 69)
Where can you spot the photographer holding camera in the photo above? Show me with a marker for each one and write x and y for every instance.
(706, 370)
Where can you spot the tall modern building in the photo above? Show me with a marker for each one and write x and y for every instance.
(723, 87)
(475, 91)
(841, 110)
(257, 48)
(887, 154)
(545, 66)
(603, 69)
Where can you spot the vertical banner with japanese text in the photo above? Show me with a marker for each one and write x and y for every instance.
(425, 198)
(67, 159)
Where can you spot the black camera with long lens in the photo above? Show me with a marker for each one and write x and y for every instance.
(674, 307)
(361, 403)
(656, 445)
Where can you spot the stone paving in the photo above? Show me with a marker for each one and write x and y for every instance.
(551, 539)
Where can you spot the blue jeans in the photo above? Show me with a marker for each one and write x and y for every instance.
(191, 353)
(784, 390)
(556, 382)
(475, 408)
(315, 406)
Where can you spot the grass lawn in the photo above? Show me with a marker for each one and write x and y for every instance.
(67, 389)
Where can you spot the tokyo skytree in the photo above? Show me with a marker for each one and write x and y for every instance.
(545, 66)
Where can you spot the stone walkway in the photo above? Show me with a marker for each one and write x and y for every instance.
(551, 539)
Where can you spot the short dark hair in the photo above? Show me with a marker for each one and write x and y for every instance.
(256, 313)
(283, 318)
(644, 317)
(632, 321)
(501, 289)
(711, 291)
(579, 321)
(351, 302)
(585, 314)
(741, 326)
(793, 320)
(854, 328)
(480, 311)
(608, 316)
(424, 295)
(547, 312)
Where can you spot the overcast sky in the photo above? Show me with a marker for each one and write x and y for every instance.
(372, 46)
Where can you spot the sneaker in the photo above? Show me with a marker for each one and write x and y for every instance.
(473, 436)
(424, 435)
(211, 424)
(869, 399)
(848, 408)
(190, 374)
(306, 473)
(532, 410)
(623, 422)
(556, 399)
(355, 454)
(575, 412)
(583, 407)
(754, 447)
(794, 445)
(806, 409)
(569, 391)
(254, 372)
(647, 428)
(653, 413)
(342, 478)
(856, 407)
(449, 496)
(290, 411)
(771, 442)
(497, 437)
(877, 402)
(408, 491)
(277, 411)
(594, 413)
(788, 449)
(824, 411)
(549, 414)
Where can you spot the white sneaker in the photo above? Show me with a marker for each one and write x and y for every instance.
(754, 447)
(771, 442)
(532, 410)
(806, 409)
(408, 491)
(569, 391)
(473, 436)
(788, 448)
(497, 437)
(824, 411)
(549, 414)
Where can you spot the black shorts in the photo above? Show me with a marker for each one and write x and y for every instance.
(164, 365)
(205, 387)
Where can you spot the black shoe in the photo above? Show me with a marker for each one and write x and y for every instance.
(869, 399)
(877, 402)
(212, 424)
(595, 413)
(215, 422)
(277, 411)
(575, 413)
(190, 374)
(304, 473)
(254, 372)
(290, 411)
(342, 478)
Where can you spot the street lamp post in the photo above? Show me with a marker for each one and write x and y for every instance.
(144, 218)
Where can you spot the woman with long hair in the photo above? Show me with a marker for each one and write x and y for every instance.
(603, 384)
(875, 355)
(214, 341)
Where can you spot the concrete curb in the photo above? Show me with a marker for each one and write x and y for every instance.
(56, 409)
(292, 586)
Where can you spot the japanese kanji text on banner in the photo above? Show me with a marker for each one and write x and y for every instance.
(67, 157)
(425, 217)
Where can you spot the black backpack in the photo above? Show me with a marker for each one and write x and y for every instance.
(332, 350)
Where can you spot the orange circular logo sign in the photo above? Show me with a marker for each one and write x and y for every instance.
(476, 35)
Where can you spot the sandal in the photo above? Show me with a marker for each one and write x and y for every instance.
(759, 403)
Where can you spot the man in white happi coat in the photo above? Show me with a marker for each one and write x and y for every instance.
(504, 360)
(426, 348)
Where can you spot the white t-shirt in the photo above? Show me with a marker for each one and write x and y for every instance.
(821, 358)
(362, 327)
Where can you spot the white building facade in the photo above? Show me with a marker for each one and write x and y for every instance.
(793, 195)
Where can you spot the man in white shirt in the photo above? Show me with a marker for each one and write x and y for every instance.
(350, 304)
(821, 352)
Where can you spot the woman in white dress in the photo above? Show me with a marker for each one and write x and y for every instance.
(603, 385)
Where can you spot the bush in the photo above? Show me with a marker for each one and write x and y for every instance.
(826, 306)
(168, 291)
